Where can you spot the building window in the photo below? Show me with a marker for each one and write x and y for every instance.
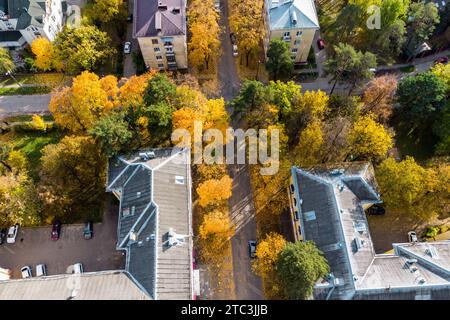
(169, 49)
(296, 42)
(299, 33)
(293, 57)
(161, 65)
(294, 50)
(154, 41)
(171, 59)
(287, 34)
(158, 57)
(157, 49)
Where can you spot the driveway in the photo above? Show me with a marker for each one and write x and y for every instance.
(128, 65)
(242, 212)
(33, 246)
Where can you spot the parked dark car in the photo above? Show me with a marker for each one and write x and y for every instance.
(252, 248)
(88, 231)
(321, 44)
(443, 60)
(233, 38)
(376, 210)
(56, 230)
(3, 232)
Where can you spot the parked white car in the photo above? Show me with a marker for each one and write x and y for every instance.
(12, 234)
(127, 48)
(412, 236)
(78, 268)
(235, 50)
(26, 272)
(41, 270)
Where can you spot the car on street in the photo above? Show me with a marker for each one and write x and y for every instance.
(235, 50)
(12, 234)
(88, 231)
(3, 235)
(321, 44)
(56, 230)
(41, 270)
(412, 236)
(376, 210)
(127, 47)
(26, 272)
(78, 268)
(233, 38)
(217, 6)
(252, 248)
(443, 60)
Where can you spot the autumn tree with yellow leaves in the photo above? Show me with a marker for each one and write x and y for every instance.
(246, 20)
(47, 57)
(204, 44)
(267, 253)
(214, 192)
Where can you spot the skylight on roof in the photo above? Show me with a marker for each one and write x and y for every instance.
(179, 180)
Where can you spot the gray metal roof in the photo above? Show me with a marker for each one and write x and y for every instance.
(105, 285)
(151, 203)
(336, 195)
(148, 16)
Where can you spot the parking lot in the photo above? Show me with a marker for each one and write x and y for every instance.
(33, 246)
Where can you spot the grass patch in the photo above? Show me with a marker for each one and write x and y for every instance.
(421, 147)
(51, 80)
(24, 91)
(27, 118)
(408, 69)
(31, 145)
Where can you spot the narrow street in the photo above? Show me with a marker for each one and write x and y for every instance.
(247, 285)
(128, 65)
(26, 104)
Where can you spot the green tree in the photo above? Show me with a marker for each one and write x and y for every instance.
(422, 20)
(6, 62)
(350, 66)
(106, 10)
(442, 129)
(279, 61)
(159, 89)
(300, 265)
(421, 97)
(5, 149)
(72, 177)
(83, 48)
(112, 134)
(252, 94)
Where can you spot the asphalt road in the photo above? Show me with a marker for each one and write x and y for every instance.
(34, 246)
(242, 212)
(10, 105)
(128, 65)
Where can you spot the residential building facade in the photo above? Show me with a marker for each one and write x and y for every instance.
(22, 21)
(293, 21)
(160, 29)
(328, 207)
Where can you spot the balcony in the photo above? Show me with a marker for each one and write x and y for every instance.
(286, 38)
(172, 65)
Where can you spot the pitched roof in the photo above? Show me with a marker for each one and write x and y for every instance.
(151, 203)
(292, 14)
(151, 22)
(331, 199)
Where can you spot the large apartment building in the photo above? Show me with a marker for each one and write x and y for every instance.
(160, 28)
(293, 21)
(22, 21)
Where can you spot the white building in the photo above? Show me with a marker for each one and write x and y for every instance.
(22, 21)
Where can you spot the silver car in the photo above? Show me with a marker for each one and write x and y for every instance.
(127, 47)
(26, 272)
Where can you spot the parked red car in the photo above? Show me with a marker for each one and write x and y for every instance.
(443, 60)
(321, 44)
(56, 230)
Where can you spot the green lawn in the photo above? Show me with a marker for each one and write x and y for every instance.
(41, 79)
(24, 91)
(421, 148)
(31, 145)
